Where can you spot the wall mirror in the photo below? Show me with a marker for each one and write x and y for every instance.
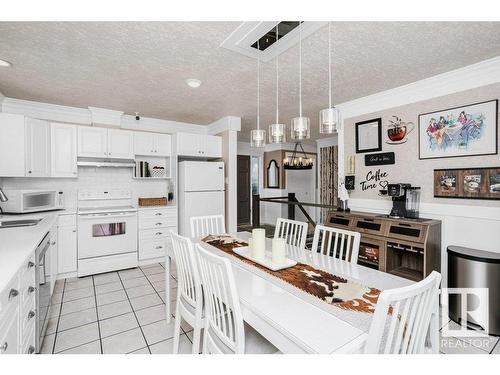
(273, 173)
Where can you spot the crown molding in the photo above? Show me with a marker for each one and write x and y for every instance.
(483, 73)
(45, 111)
(226, 123)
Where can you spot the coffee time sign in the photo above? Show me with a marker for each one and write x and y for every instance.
(375, 179)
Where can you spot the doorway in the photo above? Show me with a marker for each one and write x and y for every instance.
(243, 189)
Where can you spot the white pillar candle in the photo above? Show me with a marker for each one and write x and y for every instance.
(259, 243)
(279, 250)
(250, 243)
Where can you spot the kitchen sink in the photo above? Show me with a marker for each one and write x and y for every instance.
(18, 223)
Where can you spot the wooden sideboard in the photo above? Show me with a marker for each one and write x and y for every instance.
(410, 248)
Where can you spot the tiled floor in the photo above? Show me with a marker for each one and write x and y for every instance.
(124, 312)
(116, 312)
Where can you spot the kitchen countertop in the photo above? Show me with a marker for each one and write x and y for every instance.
(17, 244)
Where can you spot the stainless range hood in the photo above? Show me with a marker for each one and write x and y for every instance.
(106, 163)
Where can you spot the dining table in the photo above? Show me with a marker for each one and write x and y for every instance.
(292, 320)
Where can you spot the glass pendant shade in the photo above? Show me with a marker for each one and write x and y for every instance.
(258, 138)
(300, 128)
(329, 120)
(277, 133)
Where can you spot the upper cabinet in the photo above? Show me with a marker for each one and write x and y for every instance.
(199, 145)
(24, 146)
(12, 145)
(63, 150)
(37, 148)
(120, 144)
(96, 142)
(152, 144)
(92, 142)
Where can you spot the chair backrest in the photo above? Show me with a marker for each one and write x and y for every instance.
(205, 225)
(224, 329)
(294, 232)
(338, 243)
(188, 275)
(402, 318)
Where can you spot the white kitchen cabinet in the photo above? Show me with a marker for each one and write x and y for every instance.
(63, 143)
(213, 146)
(155, 224)
(96, 142)
(9, 333)
(12, 145)
(67, 248)
(152, 144)
(199, 145)
(37, 148)
(92, 142)
(120, 144)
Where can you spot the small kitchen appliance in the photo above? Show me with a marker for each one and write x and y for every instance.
(405, 200)
(27, 201)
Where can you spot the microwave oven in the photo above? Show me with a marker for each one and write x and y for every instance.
(26, 201)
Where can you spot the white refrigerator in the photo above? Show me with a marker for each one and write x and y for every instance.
(201, 191)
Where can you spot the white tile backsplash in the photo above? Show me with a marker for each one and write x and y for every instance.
(91, 178)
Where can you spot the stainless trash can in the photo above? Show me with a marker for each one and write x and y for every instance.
(472, 268)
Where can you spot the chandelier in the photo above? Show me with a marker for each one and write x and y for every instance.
(299, 159)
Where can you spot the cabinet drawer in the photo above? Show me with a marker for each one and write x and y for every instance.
(9, 297)
(28, 318)
(28, 346)
(160, 222)
(146, 234)
(67, 221)
(9, 334)
(153, 248)
(170, 213)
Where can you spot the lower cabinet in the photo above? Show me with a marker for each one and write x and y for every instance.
(67, 249)
(18, 312)
(155, 225)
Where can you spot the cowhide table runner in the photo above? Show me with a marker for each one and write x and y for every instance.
(329, 288)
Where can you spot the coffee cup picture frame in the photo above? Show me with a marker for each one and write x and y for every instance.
(369, 136)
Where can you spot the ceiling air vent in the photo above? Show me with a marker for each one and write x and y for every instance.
(244, 39)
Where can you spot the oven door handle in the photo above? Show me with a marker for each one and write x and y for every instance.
(110, 215)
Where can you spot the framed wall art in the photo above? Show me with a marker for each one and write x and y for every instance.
(461, 131)
(472, 183)
(369, 136)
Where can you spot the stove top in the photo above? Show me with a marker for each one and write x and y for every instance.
(103, 201)
(101, 209)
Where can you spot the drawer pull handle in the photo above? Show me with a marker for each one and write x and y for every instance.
(4, 347)
(31, 349)
(53, 243)
(158, 233)
(13, 293)
(31, 314)
(158, 223)
(159, 247)
(31, 264)
(31, 289)
(158, 214)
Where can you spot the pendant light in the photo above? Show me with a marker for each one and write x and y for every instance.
(329, 118)
(258, 136)
(277, 131)
(300, 128)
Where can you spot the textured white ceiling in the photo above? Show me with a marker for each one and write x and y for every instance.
(142, 66)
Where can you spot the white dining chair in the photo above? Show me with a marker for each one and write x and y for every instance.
(294, 232)
(225, 332)
(205, 225)
(189, 305)
(403, 319)
(338, 243)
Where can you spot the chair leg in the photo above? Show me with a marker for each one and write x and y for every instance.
(177, 330)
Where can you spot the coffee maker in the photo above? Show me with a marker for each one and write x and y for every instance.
(405, 200)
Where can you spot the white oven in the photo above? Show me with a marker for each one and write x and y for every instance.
(108, 233)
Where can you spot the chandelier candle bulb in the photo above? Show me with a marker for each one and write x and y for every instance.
(279, 251)
(259, 243)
